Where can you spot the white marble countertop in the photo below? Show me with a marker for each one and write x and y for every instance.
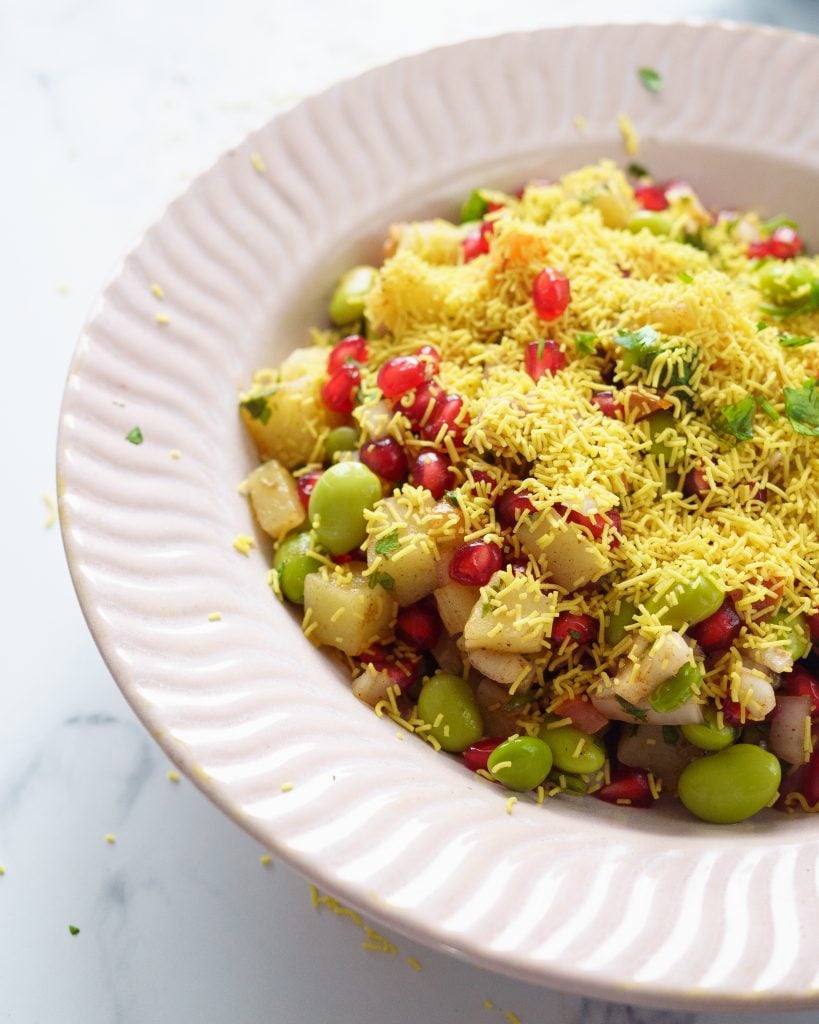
(108, 108)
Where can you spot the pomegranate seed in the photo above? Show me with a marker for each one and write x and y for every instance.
(425, 400)
(583, 713)
(480, 476)
(477, 756)
(580, 628)
(732, 714)
(550, 293)
(510, 506)
(542, 357)
(339, 392)
(607, 404)
(432, 471)
(519, 564)
(813, 626)
(627, 784)
(419, 626)
(596, 524)
(447, 413)
(350, 556)
(696, 483)
(476, 242)
(430, 354)
(386, 458)
(799, 683)
(718, 631)
(377, 656)
(651, 197)
(473, 564)
(305, 484)
(353, 348)
(401, 374)
(758, 251)
(784, 243)
(810, 781)
(493, 207)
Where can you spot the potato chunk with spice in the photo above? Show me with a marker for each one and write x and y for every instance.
(343, 610)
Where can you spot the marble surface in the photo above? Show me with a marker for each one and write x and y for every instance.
(107, 110)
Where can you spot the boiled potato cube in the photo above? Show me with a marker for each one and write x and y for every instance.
(274, 499)
(455, 603)
(573, 558)
(347, 612)
(305, 362)
(399, 541)
(510, 670)
(512, 615)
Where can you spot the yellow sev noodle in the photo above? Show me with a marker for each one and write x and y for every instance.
(563, 450)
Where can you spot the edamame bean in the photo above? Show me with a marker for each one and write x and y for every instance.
(521, 763)
(337, 505)
(689, 602)
(708, 735)
(448, 705)
(784, 283)
(293, 563)
(617, 622)
(647, 220)
(730, 786)
(796, 638)
(564, 743)
(674, 692)
(342, 439)
(658, 423)
(347, 303)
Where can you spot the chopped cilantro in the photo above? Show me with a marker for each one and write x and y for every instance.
(761, 325)
(517, 701)
(74, 929)
(802, 408)
(639, 713)
(257, 407)
(769, 226)
(134, 436)
(671, 735)
(738, 419)
(453, 498)
(387, 544)
(685, 278)
(767, 408)
(576, 635)
(638, 171)
(382, 579)
(585, 343)
(641, 340)
(651, 79)
(785, 311)
(794, 340)
(474, 208)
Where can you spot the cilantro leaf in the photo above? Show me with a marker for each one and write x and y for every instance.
(639, 713)
(761, 325)
(769, 226)
(585, 343)
(684, 277)
(638, 171)
(670, 735)
(794, 340)
(802, 408)
(74, 929)
(474, 208)
(134, 436)
(380, 579)
(651, 79)
(738, 419)
(641, 340)
(387, 544)
(257, 407)
(767, 408)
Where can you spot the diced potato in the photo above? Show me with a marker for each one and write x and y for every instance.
(756, 691)
(286, 419)
(455, 602)
(373, 419)
(650, 663)
(647, 748)
(573, 558)
(305, 362)
(372, 686)
(492, 698)
(512, 615)
(607, 704)
(406, 551)
(348, 613)
(510, 670)
(605, 186)
(275, 500)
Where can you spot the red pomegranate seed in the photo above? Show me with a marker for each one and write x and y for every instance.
(448, 413)
(510, 506)
(377, 656)
(580, 628)
(339, 392)
(401, 374)
(305, 484)
(353, 348)
(476, 242)
(386, 458)
(813, 626)
(758, 250)
(596, 524)
(542, 357)
(718, 631)
(350, 556)
(424, 402)
(418, 625)
(607, 404)
(430, 354)
(550, 293)
(477, 756)
(784, 243)
(810, 780)
(732, 714)
(433, 471)
(629, 784)
(583, 713)
(799, 683)
(695, 483)
(474, 563)
(651, 197)
(519, 564)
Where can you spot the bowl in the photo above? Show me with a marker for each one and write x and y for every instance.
(579, 895)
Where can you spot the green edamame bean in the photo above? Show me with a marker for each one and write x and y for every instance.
(337, 505)
(658, 423)
(796, 640)
(730, 786)
(563, 743)
(567, 782)
(674, 692)
(521, 763)
(689, 602)
(293, 564)
(342, 439)
(708, 735)
(647, 220)
(347, 303)
(784, 283)
(448, 704)
(617, 622)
